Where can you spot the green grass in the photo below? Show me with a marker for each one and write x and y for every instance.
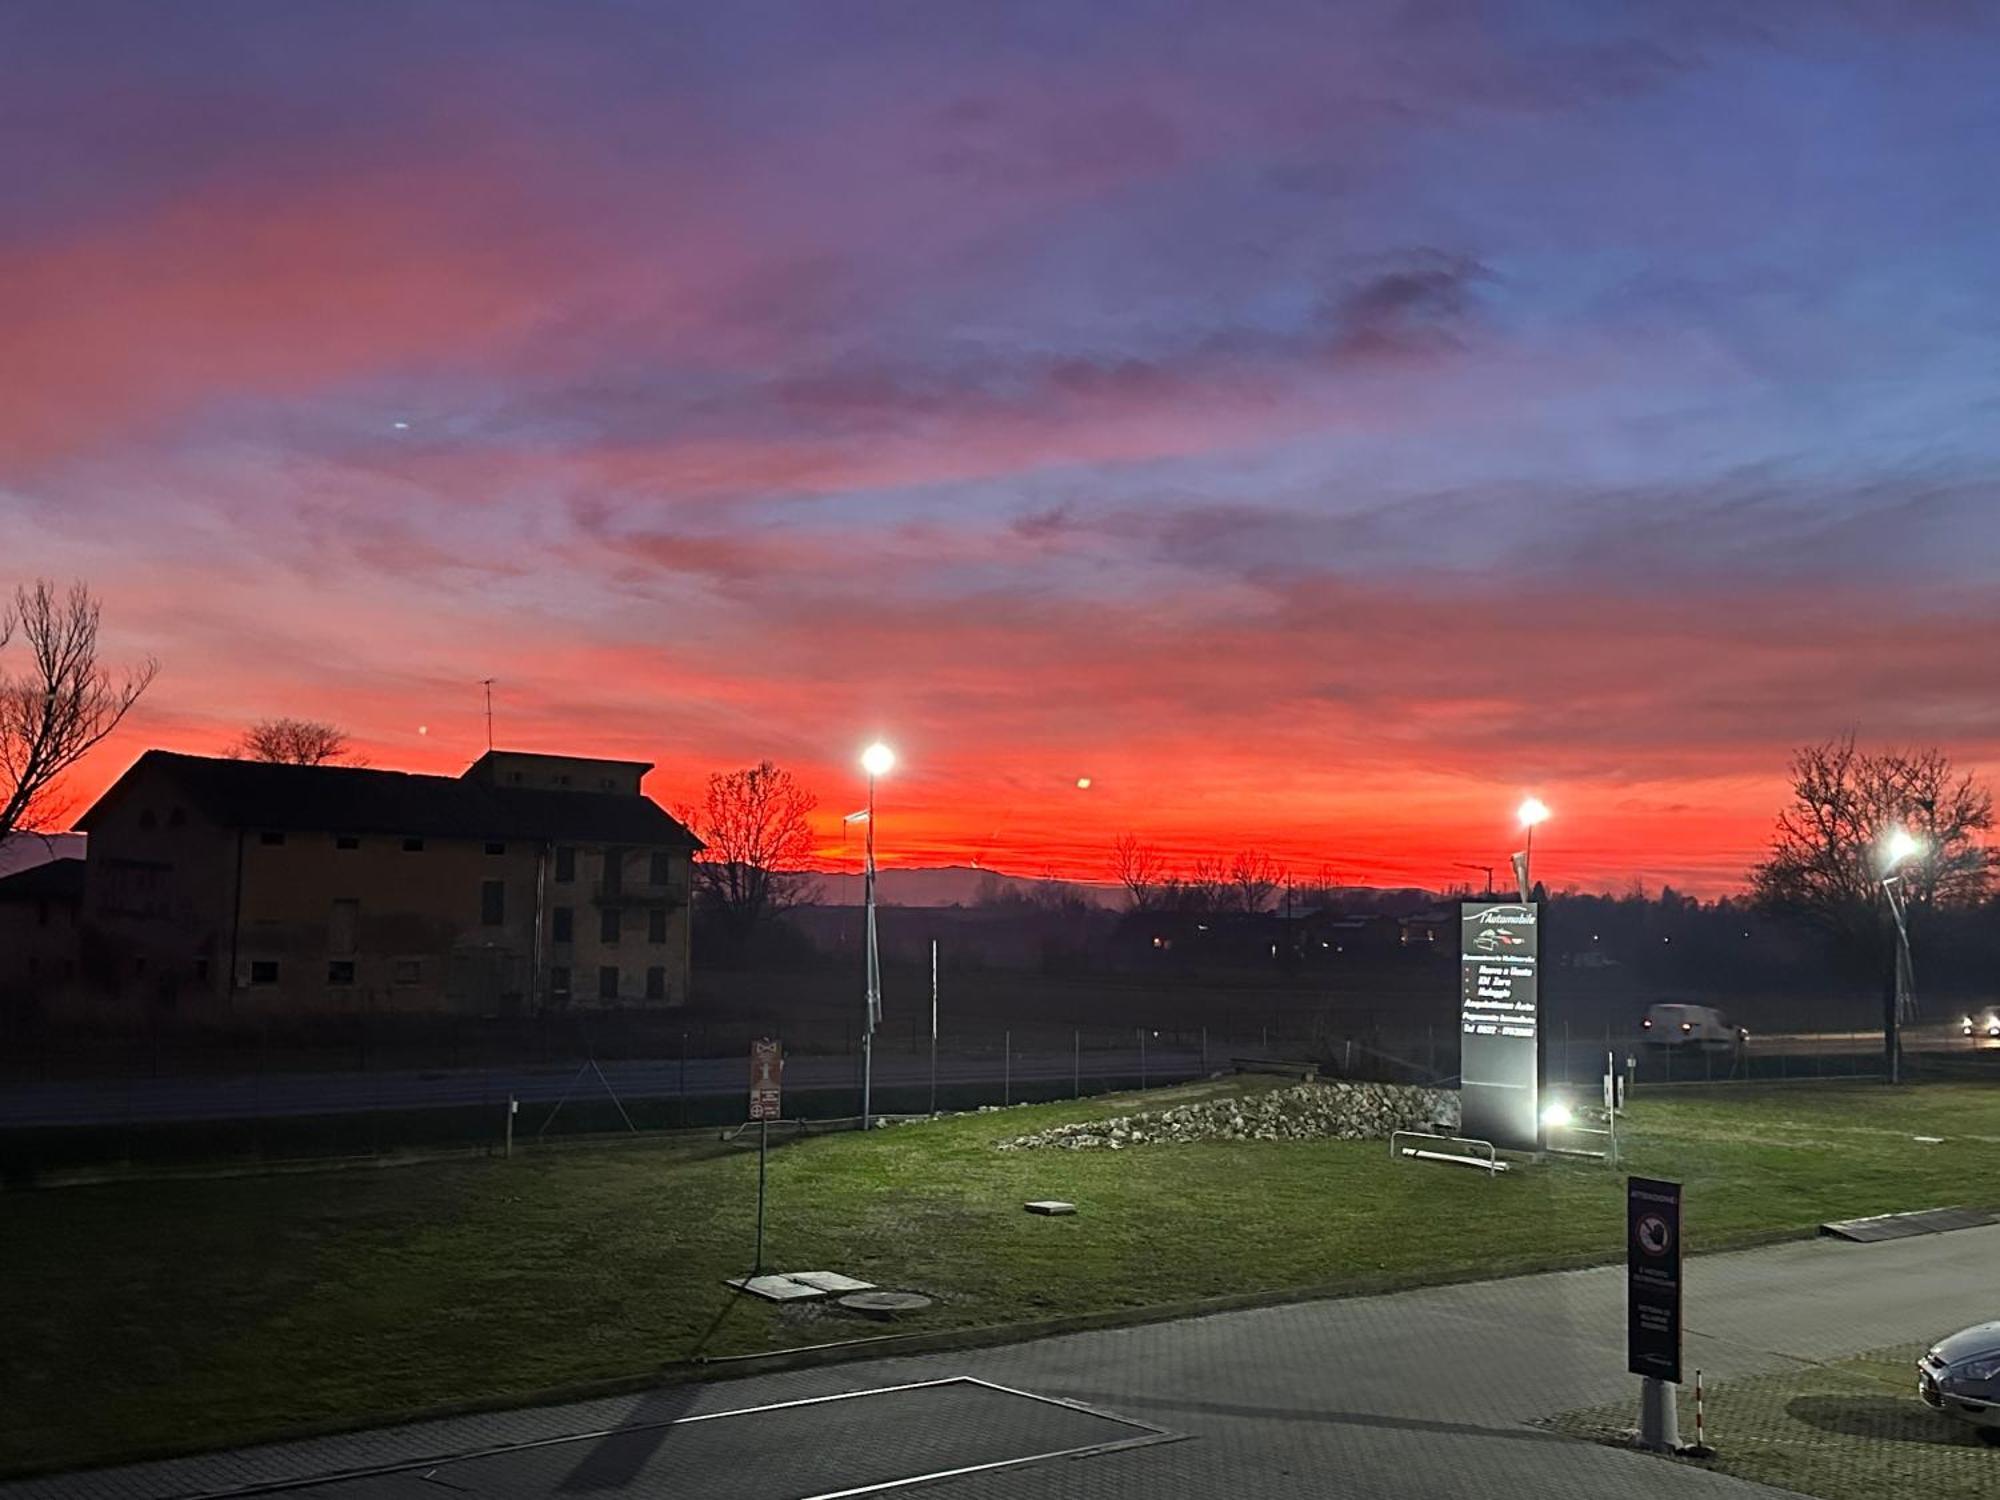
(1850, 1430)
(151, 1317)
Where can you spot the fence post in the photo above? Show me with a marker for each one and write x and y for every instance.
(1076, 1062)
(1142, 1059)
(1204, 1051)
(1007, 1073)
(681, 1113)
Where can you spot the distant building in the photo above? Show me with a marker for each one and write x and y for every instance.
(39, 909)
(227, 887)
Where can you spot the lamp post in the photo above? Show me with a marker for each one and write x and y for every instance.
(1532, 811)
(1901, 1002)
(876, 760)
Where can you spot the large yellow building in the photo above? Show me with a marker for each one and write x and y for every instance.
(229, 888)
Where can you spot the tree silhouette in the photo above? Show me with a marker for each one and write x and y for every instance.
(64, 703)
(1825, 860)
(293, 742)
(756, 825)
(1141, 870)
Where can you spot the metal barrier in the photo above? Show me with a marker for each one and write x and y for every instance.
(1492, 1164)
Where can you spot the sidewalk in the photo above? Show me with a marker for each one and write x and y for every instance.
(1426, 1393)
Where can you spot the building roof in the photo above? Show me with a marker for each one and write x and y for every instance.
(355, 799)
(52, 880)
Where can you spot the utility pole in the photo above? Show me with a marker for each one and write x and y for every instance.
(487, 683)
(1486, 869)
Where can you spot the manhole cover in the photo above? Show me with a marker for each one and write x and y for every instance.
(885, 1304)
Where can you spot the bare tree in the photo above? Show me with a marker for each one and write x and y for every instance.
(1140, 870)
(1206, 886)
(293, 742)
(1825, 859)
(1826, 863)
(1253, 877)
(55, 712)
(755, 824)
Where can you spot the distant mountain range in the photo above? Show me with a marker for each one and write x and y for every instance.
(949, 885)
(963, 885)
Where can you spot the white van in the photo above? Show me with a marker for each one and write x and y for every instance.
(1700, 1026)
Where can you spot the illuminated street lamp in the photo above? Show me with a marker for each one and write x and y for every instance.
(1532, 811)
(877, 760)
(1899, 846)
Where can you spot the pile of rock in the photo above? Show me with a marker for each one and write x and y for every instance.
(1306, 1111)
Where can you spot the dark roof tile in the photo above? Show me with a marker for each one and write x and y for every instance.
(354, 799)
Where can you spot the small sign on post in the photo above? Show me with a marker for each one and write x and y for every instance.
(767, 1071)
(1653, 1304)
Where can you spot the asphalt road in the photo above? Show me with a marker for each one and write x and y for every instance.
(160, 1100)
(1422, 1394)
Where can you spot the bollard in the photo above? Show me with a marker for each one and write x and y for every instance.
(1700, 1448)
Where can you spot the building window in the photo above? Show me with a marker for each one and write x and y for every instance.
(562, 924)
(271, 836)
(614, 871)
(607, 982)
(148, 820)
(340, 971)
(263, 971)
(606, 784)
(343, 924)
(559, 980)
(656, 925)
(663, 868)
(496, 848)
(607, 925)
(413, 846)
(492, 902)
(565, 863)
(656, 983)
(407, 971)
(346, 841)
(514, 778)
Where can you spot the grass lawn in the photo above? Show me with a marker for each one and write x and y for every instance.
(144, 1318)
(1851, 1430)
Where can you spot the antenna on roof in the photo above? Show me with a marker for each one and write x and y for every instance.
(487, 683)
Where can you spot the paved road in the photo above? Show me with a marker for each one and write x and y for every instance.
(116, 1101)
(1422, 1394)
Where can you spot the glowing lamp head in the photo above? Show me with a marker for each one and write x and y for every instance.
(1533, 811)
(1557, 1116)
(878, 759)
(1899, 846)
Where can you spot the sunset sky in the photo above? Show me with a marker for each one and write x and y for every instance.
(1317, 425)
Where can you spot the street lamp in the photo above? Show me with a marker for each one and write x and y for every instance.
(1901, 1004)
(1532, 811)
(877, 760)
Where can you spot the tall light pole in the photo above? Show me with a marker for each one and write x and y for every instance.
(1532, 811)
(876, 760)
(1901, 1003)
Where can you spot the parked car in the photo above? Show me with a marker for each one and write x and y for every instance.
(1701, 1027)
(1984, 1023)
(1960, 1376)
